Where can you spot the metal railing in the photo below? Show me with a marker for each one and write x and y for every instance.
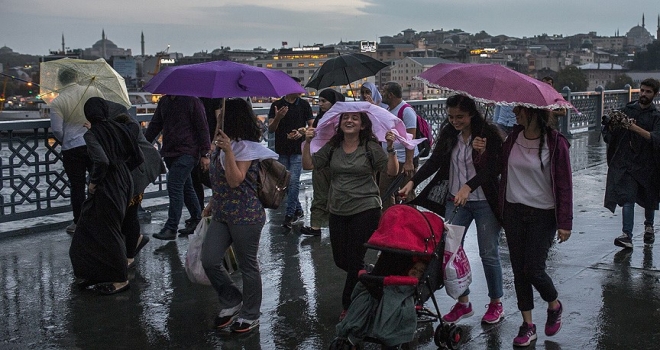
(34, 183)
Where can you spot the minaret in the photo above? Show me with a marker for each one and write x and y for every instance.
(64, 48)
(142, 43)
(103, 43)
(657, 35)
(643, 21)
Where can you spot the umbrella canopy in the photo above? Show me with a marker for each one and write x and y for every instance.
(382, 120)
(493, 83)
(344, 69)
(222, 79)
(97, 76)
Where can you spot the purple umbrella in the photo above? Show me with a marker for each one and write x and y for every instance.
(493, 83)
(222, 79)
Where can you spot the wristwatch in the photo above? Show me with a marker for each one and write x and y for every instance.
(390, 150)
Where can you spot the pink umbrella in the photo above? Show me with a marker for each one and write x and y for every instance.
(381, 119)
(222, 79)
(493, 83)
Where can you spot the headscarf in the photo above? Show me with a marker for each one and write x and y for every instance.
(333, 97)
(375, 94)
(118, 140)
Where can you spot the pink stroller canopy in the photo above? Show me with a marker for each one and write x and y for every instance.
(405, 228)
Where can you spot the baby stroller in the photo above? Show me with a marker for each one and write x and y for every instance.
(387, 303)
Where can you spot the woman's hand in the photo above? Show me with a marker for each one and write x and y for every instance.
(91, 188)
(479, 144)
(461, 197)
(563, 235)
(310, 133)
(207, 209)
(222, 141)
(403, 192)
(87, 125)
(390, 138)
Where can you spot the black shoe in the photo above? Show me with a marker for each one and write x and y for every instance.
(649, 234)
(309, 231)
(288, 219)
(298, 215)
(243, 326)
(165, 234)
(190, 227)
(623, 241)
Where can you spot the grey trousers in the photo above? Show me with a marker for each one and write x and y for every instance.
(245, 239)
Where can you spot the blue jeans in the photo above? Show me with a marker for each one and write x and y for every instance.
(488, 235)
(180, 190)
(628, 217)
(293, 164)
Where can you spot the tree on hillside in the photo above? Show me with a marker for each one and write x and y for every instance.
(619, 82)
(481, 35)
(649, 59)
(572, 77)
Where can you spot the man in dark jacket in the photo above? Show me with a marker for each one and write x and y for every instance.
(633, 148)
(185, 145)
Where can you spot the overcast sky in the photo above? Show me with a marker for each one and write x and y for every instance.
(189, 26)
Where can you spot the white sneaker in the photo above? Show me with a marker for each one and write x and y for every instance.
(71, 229)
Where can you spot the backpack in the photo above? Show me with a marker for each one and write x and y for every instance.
(272, 183)
(423, 130)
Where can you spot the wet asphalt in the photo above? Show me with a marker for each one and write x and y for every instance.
(611, 297)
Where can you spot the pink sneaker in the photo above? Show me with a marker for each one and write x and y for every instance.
(493, 314)
(458, 312)
(553, 324)
(526, 335)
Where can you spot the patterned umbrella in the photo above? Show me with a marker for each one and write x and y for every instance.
(493, 83)
(97, 76)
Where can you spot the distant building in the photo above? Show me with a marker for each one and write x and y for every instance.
(105, 48)
(404, 71)
(638, 36)
(600, 73)
(300, 62)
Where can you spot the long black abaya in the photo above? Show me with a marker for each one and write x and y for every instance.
(98, 251)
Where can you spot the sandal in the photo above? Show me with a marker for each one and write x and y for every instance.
(109, 288)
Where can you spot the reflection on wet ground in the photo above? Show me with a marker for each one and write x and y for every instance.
(611, 297)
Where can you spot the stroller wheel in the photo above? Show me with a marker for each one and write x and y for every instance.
(448, 336)
(342, 344)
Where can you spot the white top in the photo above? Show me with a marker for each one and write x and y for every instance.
(461, 169)
(67, 117)
(526, 183)
(410, 121)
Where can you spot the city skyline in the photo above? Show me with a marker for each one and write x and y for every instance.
(204, 25)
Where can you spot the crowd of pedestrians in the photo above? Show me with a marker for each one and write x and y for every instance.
(510, 175)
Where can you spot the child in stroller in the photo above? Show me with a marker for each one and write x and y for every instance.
(388, 302)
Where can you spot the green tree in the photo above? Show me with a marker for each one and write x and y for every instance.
(572, 77)
(619, 82)
(649, 59)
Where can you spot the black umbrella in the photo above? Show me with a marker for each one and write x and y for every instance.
(344, 69)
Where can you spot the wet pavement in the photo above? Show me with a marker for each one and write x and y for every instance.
(611, 297)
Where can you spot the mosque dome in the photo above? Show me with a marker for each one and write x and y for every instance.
(108, 44)
(639, 36)
(448, 41)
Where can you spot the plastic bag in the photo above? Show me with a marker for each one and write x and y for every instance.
(458, 274)
(193, 265)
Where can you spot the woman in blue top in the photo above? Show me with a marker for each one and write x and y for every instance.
(238, 217)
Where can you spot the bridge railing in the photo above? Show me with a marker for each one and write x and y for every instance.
(34, 183)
